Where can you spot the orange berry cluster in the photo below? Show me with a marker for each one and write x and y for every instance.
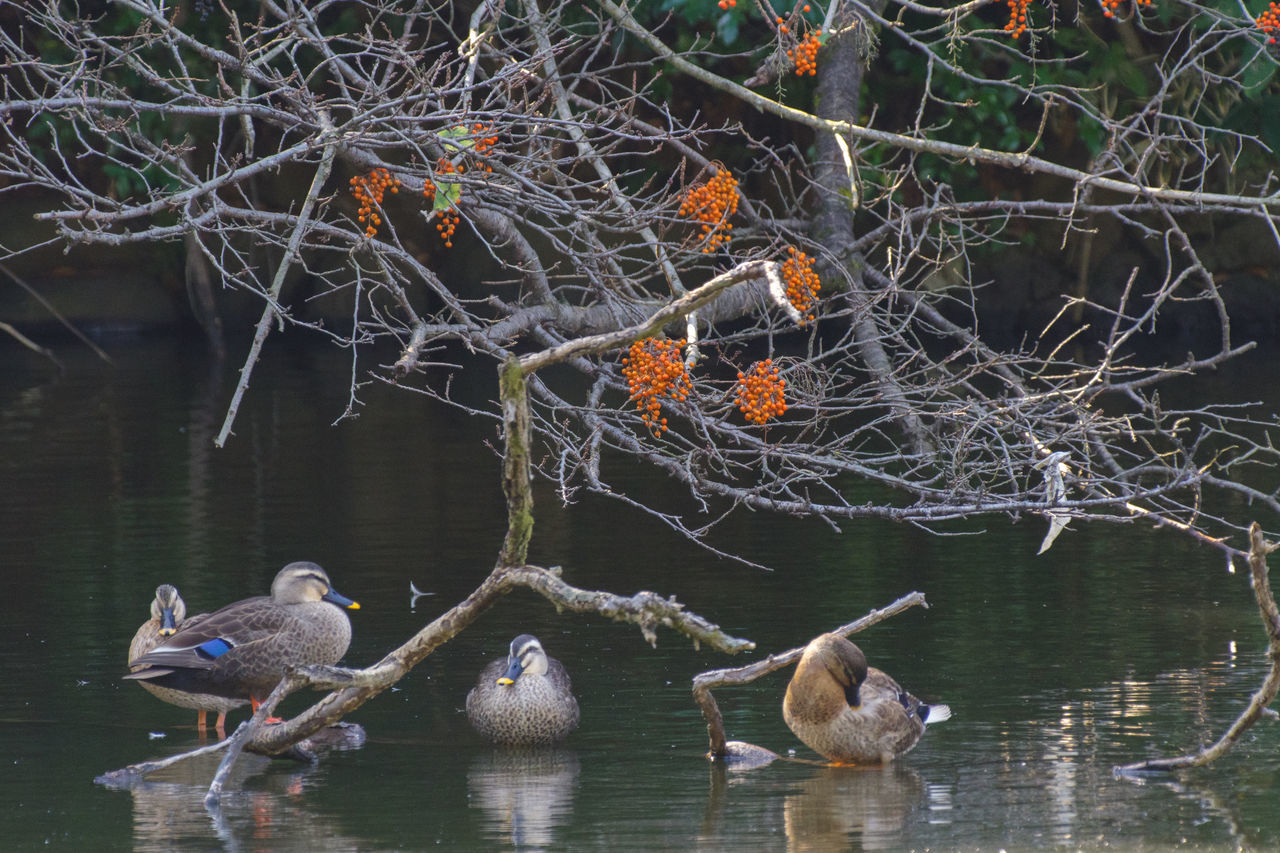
(802, 283)
(653, 368)
(727, 4)
(444, 166)
(1269, 22)
(1109, 6)
(448, 223)
(368, 190)
(805, 54)
(712, 204)
(449, 217)
(761, 393)
(483, 143)
(1018, 17)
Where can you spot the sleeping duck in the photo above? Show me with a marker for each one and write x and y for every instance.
(849, 712)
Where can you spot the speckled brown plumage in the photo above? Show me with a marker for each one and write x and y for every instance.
(849, 712)
(525, 699)
(242, 650)
(168, 615)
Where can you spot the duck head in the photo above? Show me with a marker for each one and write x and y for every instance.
(526, 656)
(168, 609)
(303, 582)
(843, 662)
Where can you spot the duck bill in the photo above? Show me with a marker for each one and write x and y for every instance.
(512, 673)
(168, 626)
(341, 600)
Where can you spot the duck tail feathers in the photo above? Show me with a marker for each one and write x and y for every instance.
(935, 713)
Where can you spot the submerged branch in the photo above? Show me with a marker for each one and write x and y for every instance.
(704, 681)
(127, 776)
(1259, 548)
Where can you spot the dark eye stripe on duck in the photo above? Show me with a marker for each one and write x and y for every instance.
(524, 644)
(313, 575)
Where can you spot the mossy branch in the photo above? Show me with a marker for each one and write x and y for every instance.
(517, 479)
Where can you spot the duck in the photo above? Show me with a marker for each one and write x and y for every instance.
(851, 713)
(242, 651)
(524, 699)
(168, 614)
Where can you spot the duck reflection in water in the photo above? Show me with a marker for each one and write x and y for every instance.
(525, 794)
(841, 809)
(525, 699)
(851, 713)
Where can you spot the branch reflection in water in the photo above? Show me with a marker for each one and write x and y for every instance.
(263, 809)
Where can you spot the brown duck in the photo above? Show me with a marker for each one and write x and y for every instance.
(851, 713)
(524, 699)
(168, 614)
(241, 651)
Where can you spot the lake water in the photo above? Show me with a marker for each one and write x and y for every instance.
(1121, 643)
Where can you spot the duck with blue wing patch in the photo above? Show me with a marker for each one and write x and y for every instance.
(168, 616)
(242, 651)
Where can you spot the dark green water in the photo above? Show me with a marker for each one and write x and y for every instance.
(1121, 643)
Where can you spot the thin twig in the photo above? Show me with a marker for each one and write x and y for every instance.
(973, 153)
(270, 311)
(1259, 548)
(30, 344)
(56, 314)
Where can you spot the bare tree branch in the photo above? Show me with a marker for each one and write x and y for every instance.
(1260, 702)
